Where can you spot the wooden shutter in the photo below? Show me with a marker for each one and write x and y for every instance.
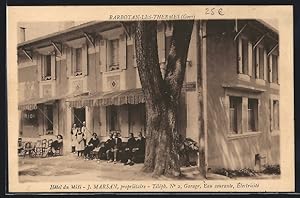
(84, 59)
(270, 68)
(271, 115)
(240, 56)
(265, 65)
(257, 62)
(69, 61)
(250, 58)
(43, 60)
(278, 70)
(103, 61)
(122, 52)
(39, 68)
(53, 67)
(161, 44)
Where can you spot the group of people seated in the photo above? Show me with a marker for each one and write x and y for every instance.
(114, 150)
(53, 148)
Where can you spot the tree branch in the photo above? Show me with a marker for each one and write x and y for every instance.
(147, 59)
(176, 60)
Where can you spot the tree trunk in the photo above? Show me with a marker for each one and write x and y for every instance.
(161, 95)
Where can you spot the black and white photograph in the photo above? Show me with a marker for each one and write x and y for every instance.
(162, 98)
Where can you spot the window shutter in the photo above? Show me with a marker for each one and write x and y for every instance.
(270, 68)
(103, 62)
(278, 70)
(53, 67)
(39, 68)
(250, 58)
(265, 65)
(134, 54)
(69, 61)
(43, 67)
(257, 63)
(85, 60)
(73, 64)
(161, 44)
(271, 114)
(122, 52)
(240, 56)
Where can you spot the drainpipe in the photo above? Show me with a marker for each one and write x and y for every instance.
(22, 37)
(201, 89)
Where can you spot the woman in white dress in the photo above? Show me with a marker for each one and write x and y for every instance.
(80, 139)
(73, 137)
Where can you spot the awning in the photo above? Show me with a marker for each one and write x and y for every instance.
(131, 96)
(32, 104)
(83, 100)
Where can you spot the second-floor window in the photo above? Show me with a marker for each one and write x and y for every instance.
(274, 68)
(114, 52)
(243, 56)
(78, 61)
(259, 63)
(47, 65)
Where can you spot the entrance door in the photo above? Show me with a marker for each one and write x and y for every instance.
(79, 116)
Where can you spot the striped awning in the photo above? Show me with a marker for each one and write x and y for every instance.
(32, 104)
(131, 96)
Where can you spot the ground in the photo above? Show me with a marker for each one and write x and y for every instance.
(70, 168)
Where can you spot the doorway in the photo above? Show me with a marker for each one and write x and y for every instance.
(79, 116)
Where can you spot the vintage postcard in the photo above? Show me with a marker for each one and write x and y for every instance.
(150, 99)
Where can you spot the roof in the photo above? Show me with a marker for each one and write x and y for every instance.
(69, 34)
(96, 26)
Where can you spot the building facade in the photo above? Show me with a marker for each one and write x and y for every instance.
(89, 73)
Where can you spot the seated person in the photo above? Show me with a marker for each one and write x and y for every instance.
(112, 154)
(92, 144)
(56, 145)
(105, 148)
(20, 146)
(138, 153)
(127, 156)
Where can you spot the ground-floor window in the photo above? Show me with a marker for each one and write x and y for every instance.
(234, 113)
(79, 116)
(30, 117)
(275, 115)
(137, 119)
(113, 118)
(243, 114)
(252, 114)
(48, 119)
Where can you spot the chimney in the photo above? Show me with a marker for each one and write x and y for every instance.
(22, 37)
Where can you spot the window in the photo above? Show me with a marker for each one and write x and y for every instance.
(259, 63)
(79, 116)
(114, 55)
(275, 115)
(235, 113)
(274, 68)
(113, 121)
(48, 119)
(243, 56)
(46, 67)
(78, 61)
(252, 114)
(30, 117)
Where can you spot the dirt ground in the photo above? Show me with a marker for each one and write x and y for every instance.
(70, 168)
